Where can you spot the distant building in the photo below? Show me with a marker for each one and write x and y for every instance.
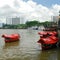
(21, 20)
(13, 20)
(1, 25)
(9, 21)
(56, 19)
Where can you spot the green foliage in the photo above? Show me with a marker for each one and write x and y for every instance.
(21, 26)
(28, 24)
(32, 23)
(48, 24)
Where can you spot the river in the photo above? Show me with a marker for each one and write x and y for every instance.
(26, 48)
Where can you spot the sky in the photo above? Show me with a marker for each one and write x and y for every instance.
(40, 10)
(48, 3)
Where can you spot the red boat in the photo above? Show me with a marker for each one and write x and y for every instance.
(50, 29)
(48, 40)
(54, 33)
(11, 38)
(47, 33)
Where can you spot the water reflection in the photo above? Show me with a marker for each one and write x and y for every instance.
(58, 54)
(48, 55)
(11, 44)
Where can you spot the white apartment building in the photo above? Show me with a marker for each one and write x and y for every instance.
(56, 18)
(13, 20)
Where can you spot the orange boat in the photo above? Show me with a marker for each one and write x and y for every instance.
(11, 38)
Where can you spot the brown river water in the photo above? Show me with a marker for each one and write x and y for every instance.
(26, 48)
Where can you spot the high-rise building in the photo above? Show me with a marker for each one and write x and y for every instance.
(59, 19)
(13, 20)
(9, 20)
(56, 19)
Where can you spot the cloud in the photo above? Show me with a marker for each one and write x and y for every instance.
(29, 10)
(55, 9)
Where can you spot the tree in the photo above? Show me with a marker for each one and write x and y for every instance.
(32, 23)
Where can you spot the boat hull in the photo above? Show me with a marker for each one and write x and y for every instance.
(11, 38)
